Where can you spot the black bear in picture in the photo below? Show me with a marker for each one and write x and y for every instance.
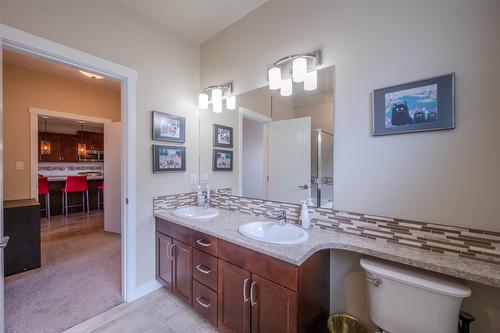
(419, 117)
(400, 115)
(431, 117)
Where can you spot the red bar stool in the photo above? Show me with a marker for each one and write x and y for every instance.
(43, 189)
(75, 184)
(100, 189)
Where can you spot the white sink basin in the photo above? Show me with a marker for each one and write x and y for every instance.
(194, 212)
(271, 232)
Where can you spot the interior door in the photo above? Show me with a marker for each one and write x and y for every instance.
(289, 160)
(112, 177)
(274, 308)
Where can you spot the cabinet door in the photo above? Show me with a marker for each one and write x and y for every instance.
(274, 308)
(98, 141)
(164, 263)
(233, 298)
(183, 270)
(69, 149)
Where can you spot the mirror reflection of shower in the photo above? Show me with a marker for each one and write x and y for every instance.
(321, 169)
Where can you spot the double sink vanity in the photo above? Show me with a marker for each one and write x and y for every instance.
(202, 258)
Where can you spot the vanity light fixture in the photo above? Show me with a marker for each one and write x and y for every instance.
(297, 68)
(217, 95)
(92, 75)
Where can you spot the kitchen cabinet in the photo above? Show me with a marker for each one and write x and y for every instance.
(239, 289)
(55, 147)
(69, 148)
(93, 140)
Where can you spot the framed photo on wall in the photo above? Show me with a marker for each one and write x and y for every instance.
(424, 105)
(168, 158)
(223, 136)
(222, 160)
(167, 127)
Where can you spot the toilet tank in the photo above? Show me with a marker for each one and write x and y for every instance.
(403, 299)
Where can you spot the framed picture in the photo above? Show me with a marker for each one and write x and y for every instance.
(425, 105)
(168, 158)
(222, 160)
(167, 127)
(223, 136)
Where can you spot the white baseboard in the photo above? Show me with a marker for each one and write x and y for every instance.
(144, 289)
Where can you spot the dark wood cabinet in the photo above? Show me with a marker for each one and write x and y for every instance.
(246, 291)
(233, 298)
(182, 270)
(93, 140)
(274, 308)
(69, 148)
(164, 266)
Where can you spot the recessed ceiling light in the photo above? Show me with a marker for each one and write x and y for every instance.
(91, 75)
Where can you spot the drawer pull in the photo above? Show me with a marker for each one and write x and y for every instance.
(204, 243)
(252, 294)
(199, 300)
(204, 271)
(245, 298)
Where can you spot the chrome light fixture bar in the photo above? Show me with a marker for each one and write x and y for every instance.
(217, 93)
(296, 68)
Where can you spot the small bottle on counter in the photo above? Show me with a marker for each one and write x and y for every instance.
(304, 216)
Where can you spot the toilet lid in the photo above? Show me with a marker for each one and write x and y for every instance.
(417, 277)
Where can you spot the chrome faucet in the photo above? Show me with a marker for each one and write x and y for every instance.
(206, 195)
(281, 218)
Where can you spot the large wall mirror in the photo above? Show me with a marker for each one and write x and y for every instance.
(281, 148)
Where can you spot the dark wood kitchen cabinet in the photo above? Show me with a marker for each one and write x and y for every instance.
(93, 140)
(242, 290)
(69, 148)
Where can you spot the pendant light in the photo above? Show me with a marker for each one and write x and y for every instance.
(299, 69)
(311, 81)
(274, 76)
(82, 147)
(286, 87)
(45, 144)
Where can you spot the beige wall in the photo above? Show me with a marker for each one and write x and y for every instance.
(24, 88)
(373, 45)
(168, 81)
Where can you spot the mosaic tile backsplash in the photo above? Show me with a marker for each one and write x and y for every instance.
(457, 241)
(54, 169)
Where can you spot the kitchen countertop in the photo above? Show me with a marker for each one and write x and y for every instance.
(20, 203)
(225, 226)
(63, 178)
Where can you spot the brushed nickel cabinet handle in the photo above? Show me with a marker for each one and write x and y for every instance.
(245, 282)
(203, 243)
(205, 305)
(172, 249)
(252, 294)
(204, 271)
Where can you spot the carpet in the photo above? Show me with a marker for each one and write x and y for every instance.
(80, 278)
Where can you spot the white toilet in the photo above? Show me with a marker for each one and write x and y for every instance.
(407, 300)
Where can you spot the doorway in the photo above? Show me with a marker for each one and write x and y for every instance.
(17, 40)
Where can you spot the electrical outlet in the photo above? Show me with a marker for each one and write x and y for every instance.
(193, 179)
(20, 166)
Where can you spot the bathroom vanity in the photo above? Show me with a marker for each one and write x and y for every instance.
(239, 289)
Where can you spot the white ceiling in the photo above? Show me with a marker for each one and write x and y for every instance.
(196, 20)
(56, 69)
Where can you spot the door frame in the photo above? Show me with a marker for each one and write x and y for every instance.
(21, 41)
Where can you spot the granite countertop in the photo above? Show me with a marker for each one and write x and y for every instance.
(225, 226)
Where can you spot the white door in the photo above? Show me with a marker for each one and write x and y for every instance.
(112, 177)
(289, 159)
(1, 200)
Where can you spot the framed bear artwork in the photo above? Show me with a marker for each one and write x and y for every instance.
(424, 105)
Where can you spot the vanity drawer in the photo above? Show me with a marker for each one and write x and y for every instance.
(205, 268)
(205, 243)
(173, 230)
(205, 302)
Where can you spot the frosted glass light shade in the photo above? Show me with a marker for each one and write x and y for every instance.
(299, 69)
(311, 81)
(217, 100)
(231, 102)
(203, 101)
(286, 87)
(274, 76)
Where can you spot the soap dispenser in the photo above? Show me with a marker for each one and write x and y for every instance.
(304, 216)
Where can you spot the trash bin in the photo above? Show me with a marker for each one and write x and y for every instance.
(345, 323)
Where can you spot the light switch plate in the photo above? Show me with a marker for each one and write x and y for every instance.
(20, 166)
(204, 177)
(193, 179)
